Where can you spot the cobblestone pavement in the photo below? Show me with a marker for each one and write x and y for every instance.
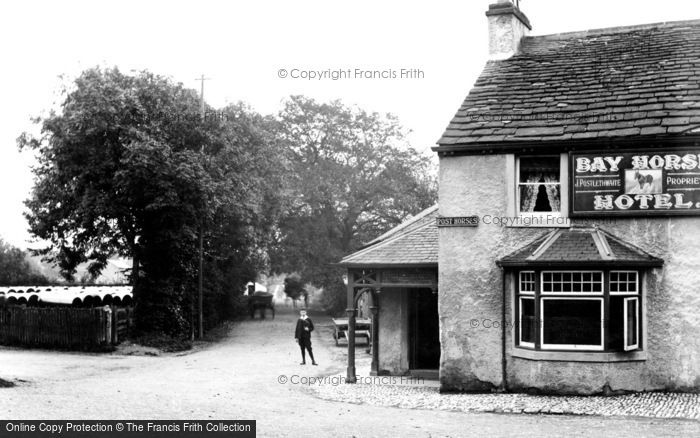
(655, 405)
(416, 393)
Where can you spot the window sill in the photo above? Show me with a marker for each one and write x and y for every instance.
(578, 356)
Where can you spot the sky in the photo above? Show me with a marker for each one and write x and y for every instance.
(262, 51)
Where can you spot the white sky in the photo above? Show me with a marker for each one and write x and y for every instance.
(242, 45)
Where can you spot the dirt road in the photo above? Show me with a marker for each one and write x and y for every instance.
(239, 378)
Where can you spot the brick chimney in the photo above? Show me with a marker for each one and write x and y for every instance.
(507, 25)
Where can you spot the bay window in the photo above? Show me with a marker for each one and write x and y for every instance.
(592, 310)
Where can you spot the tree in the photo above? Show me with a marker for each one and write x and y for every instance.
(248, 171)
(16, 269)
(293, 287)
(352, 178)
(115, 133)
(130, 167)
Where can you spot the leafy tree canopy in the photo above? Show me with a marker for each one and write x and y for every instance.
(353, 177)
(129, 167)
(294, 287)
(121, 148)
(16, 269)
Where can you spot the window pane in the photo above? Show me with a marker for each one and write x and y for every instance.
(571, 322)
(546, 282)
(527, 320)
(539, 185)
(615, 323)
(533, 169)
(527, 282)
(572, 282)
(631, 323)
(623, 326)
(631, 312)
(623, 282)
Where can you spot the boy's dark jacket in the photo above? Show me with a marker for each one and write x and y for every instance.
(300, 333)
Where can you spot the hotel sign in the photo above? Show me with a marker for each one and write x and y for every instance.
(468, 221)
(657, 182)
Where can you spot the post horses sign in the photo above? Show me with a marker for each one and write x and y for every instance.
(467, 221)
(657, 182)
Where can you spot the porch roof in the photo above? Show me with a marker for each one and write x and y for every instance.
(579, 246)
(414, 243)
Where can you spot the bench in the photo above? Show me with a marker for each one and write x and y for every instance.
(363, 327)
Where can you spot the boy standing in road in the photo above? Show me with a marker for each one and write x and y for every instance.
(302, 334)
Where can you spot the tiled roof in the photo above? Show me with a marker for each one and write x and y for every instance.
(579, 246)
(420, 219)
(413, 243)
(590, 86)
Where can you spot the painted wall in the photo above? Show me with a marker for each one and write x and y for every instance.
(393, 331)
(470, 295)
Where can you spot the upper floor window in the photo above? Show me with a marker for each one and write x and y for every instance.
(539, 184)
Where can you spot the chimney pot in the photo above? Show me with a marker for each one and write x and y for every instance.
(507, 26)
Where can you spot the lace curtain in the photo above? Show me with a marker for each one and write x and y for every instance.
(552, 192)
(529, 197)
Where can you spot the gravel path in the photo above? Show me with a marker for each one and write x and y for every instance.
(240, 377)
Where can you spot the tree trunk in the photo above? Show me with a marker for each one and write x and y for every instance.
(134, 268)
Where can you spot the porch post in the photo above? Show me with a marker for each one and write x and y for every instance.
(374, 308)
(350, 310)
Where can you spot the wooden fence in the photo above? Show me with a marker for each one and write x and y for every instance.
(57, 327)
(122, 320)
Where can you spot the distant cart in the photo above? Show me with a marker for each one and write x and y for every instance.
(261, 301)
(363, 327)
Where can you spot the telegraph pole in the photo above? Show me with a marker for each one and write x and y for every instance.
(200, 296)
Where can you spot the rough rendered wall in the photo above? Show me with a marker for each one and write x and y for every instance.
(393, 331)
(505, 32)
(470, 295)
(675, 333)
(470, 281)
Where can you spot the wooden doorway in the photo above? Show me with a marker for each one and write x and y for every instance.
(423, 330)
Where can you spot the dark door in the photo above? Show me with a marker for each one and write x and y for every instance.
(423, 330)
